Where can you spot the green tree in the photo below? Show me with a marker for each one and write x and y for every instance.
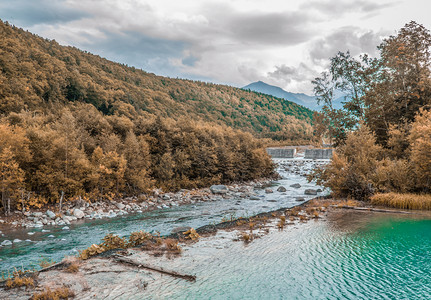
(385, 92)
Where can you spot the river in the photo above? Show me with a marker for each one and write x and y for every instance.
(52, 243)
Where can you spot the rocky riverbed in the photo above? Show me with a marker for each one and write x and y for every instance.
(82, 210)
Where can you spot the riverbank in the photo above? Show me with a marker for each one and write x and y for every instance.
(262, 237)
(82, 210)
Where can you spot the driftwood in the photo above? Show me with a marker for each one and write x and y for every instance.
(122, 259)
(372, 209)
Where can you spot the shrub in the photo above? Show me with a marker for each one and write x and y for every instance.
(191, 234)
(59, 293)
(19, 281)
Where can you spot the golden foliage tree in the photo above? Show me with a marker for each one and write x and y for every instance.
(11, 179)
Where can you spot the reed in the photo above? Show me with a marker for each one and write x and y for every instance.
(403, 201)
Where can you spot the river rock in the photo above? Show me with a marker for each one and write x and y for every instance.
(269, 191)
(50, 214)
(310, 192)
(254, 198)
(79, 214)
(180, 229)
(120, 205)
(219, 189)
(37, 214)
(6, 243)
(17, 241)
(300, 199)
(295, 185)
(281, 189)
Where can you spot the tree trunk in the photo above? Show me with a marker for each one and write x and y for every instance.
(61, 200)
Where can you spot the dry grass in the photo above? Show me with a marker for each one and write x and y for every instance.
(172, 246)
(19, 281)
(192, 234)
(281, 222)
(72, 268)
(140, 238)
(46, 262)
(403, 201)
(57, 294)
(247, 238)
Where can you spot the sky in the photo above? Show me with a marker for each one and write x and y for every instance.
(235, 42)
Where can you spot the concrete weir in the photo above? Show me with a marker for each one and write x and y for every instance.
(318, 154)
(281, 152)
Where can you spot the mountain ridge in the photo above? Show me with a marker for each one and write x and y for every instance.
(303, 99)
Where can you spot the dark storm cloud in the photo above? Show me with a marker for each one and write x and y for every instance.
(30, 12)
(346, 39)
(338, 8)
(136, 49)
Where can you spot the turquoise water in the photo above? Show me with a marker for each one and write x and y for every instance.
(382, 257)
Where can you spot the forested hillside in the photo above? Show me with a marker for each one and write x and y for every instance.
(36, 73)
(74, 123)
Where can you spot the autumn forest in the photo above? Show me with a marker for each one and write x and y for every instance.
(78, 125)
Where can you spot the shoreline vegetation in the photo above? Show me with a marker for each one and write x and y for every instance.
(118, 255)
(382, 134)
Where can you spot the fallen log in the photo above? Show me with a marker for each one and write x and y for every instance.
(372, 209)
(122, 259)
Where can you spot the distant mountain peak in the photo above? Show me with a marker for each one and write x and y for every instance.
(298, 98)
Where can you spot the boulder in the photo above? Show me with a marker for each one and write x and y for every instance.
(50, 214)
(79, 214)
(281, 189)
(6, 243)
(219, 189)
(120, 205)
(310, 192)
(300, 199)
(295, 185)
